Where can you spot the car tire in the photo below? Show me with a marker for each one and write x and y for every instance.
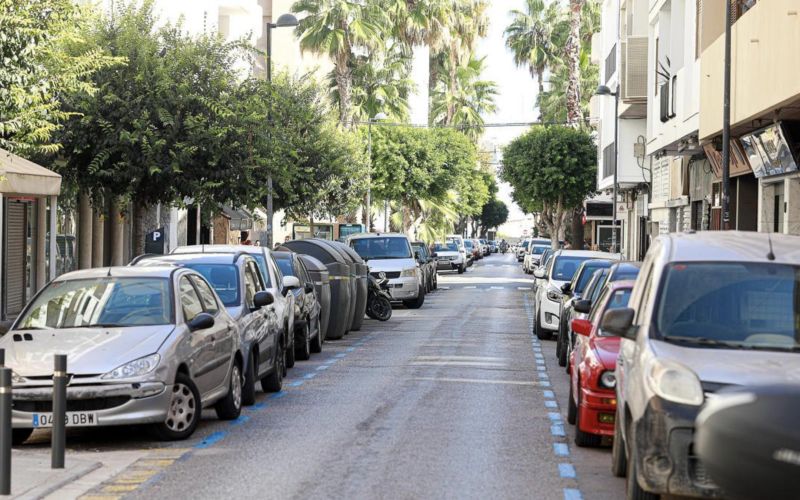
(461, 269)
(572, 408)
(302, 347)
(584, 439)
(632, 489)
(290, 357)
(619, 462)
(274, 381)
(540, 332)
(562, 347)
(185, 401)
(19, 436)
(249, 386)
(435, 280)
(316, 342)
(416, 303)
(230, 407)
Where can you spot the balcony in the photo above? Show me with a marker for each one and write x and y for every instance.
(611, 63)
(765, 67)
(633, 77)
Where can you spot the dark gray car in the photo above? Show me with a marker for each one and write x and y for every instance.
(307, 332)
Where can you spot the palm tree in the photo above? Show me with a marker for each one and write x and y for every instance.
(471, 100)
(572, 55)
(530, 37)
(336, 28)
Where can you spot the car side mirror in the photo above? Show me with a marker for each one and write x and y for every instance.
(619, 322)
(581, 326)
(263, 298)
(538, 274)
(583, 306)
(289, 283)
(202, 321)
(308, 287)
(566, 288)
(5, 326)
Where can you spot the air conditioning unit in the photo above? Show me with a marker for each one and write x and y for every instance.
(634, 68)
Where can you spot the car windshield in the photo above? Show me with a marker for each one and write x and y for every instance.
(101, 302)
(468, 244)
(524, 244)
(586, 275)
(223, 277)
(538, 250)
(564, 267)
(450, 246)
(730, 305)
(392, 247)
(285, 265)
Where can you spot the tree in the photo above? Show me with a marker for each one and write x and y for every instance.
(338, 28)
(551, 170)
(572, 56)
(465, 106)
(493, 214)
(45, 54)
(530, 37)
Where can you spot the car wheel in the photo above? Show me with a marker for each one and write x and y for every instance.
(584, 439)
(316, 342)
(416, 303)
(632, 489)
(540, 332)
(302, 349)
(230, 407)
(461, 269)
(572, 408)
(274, 381)
(562, 347)
(290, 357)
(619, 462)
(435, 281)
(19, 436)
(249, 388)
(183, 413)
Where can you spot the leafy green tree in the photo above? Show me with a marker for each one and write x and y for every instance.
(465, 106)
(551, 170)
(493, 214)
(45, 53)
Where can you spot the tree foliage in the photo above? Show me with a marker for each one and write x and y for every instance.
(551, 170)
(493, 214)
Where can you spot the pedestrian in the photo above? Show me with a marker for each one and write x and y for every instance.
(244, 238)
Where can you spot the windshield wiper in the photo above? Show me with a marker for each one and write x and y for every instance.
(101, 325)
(704, 341)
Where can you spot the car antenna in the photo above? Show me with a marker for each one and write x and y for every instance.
(771, 254)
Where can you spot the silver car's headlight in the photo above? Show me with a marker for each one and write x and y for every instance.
(135, 368)
(674, 382)
(553, 294)
(408, 273)
(16, 378)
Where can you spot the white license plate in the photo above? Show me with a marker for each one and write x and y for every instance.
(74, 419)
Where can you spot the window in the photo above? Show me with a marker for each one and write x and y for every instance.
(250, 287)
(224, 278)
(190, 302)
(257, 274)
(382, 248)
(206, 295)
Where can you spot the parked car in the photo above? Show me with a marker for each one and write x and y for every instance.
(470, 249)
(270, 273)
(484, 246)
(547, 301)
(307, 333)
(239, 285)
(531, 259)
(450, 257)
(708, 311)
(592, 404)
(492, 246)
(521, 249)
(391, 253)
(571, 293)
(427, 265)
(144, 346)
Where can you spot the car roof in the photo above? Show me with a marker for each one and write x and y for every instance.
(282, 254)
(585, 253)
(621, 284)
(179, 259)
(626, 265)
(160, 271)
(360, 236)
(249, 249)
(733, 246)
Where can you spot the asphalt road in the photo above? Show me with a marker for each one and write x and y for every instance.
(454, 400)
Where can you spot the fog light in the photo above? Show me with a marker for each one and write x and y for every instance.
(608, 401)
(606, 418)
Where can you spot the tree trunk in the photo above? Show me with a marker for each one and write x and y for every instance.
(344, 83)
(433, 78)
(572, 53)
(452, 84)
(577, 229)
(137, 223)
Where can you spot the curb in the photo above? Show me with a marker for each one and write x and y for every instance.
(39, 492)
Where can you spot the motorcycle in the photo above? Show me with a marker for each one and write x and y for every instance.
(504, 247)
(379, 304)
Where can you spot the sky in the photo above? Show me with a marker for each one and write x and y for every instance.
(516, 96)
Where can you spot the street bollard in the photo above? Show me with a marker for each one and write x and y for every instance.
(5, 431)
(59, 434)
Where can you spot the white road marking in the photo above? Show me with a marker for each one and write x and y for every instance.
(479, 381)
(458, 358)
(471, 286)
(523, 288)
(476, 364)
(497, 287)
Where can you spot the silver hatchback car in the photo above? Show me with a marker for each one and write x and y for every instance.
(147, 345)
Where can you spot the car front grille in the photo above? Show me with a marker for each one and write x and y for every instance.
(389, 274)
(73, 404)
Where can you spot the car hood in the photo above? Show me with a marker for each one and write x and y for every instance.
(733, 366)
(377, 265)
(447, 254)
(607, 350)
(88, 350)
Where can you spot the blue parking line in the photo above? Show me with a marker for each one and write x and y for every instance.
(340, 355)
(350, 349)
(567, 470)
(549, 403)
(259, 405)
(561, 449)
(572, 494)
(544, 383)
(309, 375)
(331, 361)
(277, 395)
(554, 416)
(549, 394)
(323, 367)
(211, 439)
(557, 430)
(296, 383)
(239, 421)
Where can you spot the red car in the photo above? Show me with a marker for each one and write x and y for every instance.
(592, 400)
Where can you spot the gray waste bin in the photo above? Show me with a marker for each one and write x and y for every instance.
(361, 287)
(322, 286)
(352, 280)
(339, 319)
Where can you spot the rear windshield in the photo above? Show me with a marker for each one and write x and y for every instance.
(730, 305)
(100, 302)
(586, 275)
(392, 247)
(564, 267)
(445, 247)
(467, 243)
(285, 265)
(223, 277)
(538, 250)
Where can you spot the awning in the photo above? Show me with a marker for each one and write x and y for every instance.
(23, 177)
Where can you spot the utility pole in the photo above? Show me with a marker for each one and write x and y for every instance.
(726, 124)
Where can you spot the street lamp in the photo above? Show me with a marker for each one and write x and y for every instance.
(603, 90)
(284, 21)
(376, 118)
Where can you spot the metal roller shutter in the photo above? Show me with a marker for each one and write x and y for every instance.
(15, 258)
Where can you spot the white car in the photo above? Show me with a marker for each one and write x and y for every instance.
(559, 270)
(450, 257)
(535, 251)
(522, 249)
(392, 254)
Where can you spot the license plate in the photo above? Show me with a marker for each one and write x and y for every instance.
(74, 419)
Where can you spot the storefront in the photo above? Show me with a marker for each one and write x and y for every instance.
(28, 207)
(743, 189)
